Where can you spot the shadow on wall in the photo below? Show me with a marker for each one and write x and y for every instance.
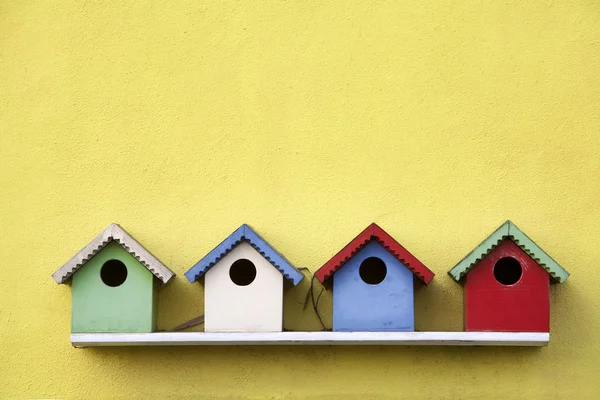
(436, 307)
(250, 355)
(325, 369)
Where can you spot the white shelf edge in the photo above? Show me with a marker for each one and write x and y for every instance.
(312, 338)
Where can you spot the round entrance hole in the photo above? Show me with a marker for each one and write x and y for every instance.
(372, 270)
(507, 271)
(242, 272)
(113, 273)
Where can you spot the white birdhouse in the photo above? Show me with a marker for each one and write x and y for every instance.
(243, 284)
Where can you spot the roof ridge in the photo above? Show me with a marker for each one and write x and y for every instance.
(509, 230)
(114, 232)
(374, 232)
(244, 233)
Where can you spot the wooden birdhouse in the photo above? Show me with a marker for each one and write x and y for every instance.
(373, 283)
(243, 284)
(114, 284)
(507, 283)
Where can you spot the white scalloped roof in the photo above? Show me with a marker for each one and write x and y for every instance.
(119, 235)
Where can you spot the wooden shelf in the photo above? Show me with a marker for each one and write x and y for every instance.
(312, 338)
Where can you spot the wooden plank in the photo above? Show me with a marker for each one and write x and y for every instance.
(312, 338)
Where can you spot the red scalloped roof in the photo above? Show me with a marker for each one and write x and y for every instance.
(374, 232)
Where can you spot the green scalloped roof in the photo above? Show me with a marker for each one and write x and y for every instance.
(508, 230)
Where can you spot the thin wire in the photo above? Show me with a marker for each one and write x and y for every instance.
(316, 303)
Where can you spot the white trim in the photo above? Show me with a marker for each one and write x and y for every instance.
(113, 232)
(312, 338)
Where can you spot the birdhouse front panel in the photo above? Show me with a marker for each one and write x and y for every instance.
(243, 292)
(507, 291)
(373, 291)
(113, 292)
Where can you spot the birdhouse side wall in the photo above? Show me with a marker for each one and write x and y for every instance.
(257, 307)
(387, 306)
(98, 307)
(520, 307)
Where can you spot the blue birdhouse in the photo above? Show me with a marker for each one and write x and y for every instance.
(373, 283)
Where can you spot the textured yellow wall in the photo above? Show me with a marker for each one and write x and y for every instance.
(436, 119)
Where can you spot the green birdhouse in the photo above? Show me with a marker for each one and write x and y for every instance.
(114, 284)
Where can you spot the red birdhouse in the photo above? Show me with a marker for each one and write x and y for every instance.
(507, 283)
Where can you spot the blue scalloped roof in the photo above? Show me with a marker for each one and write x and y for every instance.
(246, 233)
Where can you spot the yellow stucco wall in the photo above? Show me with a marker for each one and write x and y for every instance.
(436, 119)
